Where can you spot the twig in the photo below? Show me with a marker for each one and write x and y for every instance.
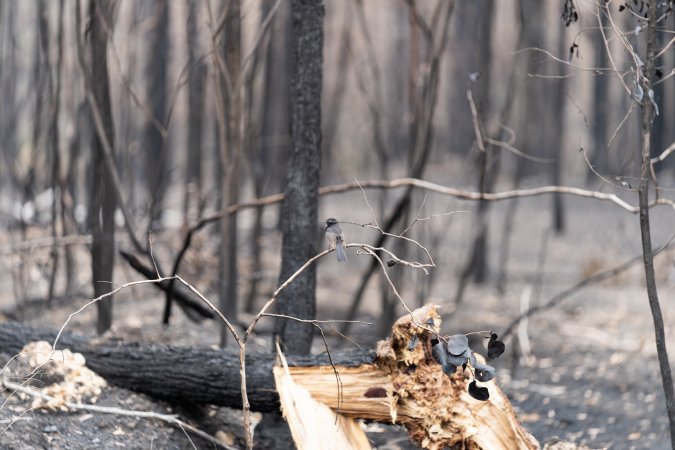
(562, 61)
(168, 418)
(480, 141)
(517, 152)
(397, 236)
(664, 154)
(665, 48)
(288, 281)
(632, 107)
(595, 172)
(606, 42)
(98, 299)
(246, 64)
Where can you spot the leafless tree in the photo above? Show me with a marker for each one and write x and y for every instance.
(300, 208)
(102, 201)
(194, 182)
(154, 148)
(228, 83)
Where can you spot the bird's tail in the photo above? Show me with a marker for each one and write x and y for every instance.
(340, 250)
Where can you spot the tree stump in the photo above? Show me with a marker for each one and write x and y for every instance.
(408, 387)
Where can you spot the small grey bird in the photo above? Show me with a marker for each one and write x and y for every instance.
(336, 238)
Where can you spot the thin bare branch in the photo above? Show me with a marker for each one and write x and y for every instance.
(666, 47)
(664, 154)
(517, 152)
(480, 141)
(633, 105)
(246, 64)
(595, 172)
(453, 192)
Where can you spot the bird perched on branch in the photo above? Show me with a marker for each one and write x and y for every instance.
(336, 238)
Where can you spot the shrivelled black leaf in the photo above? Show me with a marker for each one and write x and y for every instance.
(658, 73)
(477, 392)
(391, 262)
(495, 347)
(483, 372)
(439, 352)
(457, 344)
(456, 360)
(413, 342)
(622, 7)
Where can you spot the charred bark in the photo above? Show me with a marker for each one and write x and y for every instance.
(196, 375)
(102, 201)
(300, 206)
(154, 133)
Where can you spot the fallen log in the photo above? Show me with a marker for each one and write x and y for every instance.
(401, 382)
(193, 374)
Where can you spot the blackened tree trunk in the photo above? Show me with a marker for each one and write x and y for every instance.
(230, 150)
(54, 89)
(300, 207)
(192, 195)
(102, 202)
(192, 203)
(557, 151)
(154, 134)
(601, 111)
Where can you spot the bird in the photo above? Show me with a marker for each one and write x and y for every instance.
(336, 238)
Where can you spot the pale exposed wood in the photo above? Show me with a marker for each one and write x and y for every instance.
(314, 426)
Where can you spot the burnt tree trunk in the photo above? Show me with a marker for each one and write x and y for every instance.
(191, 374)
(154, 135)
(601, 111)
(556, 149)
(192, 203)
(229, 135)
(102, 201)
(300, 206)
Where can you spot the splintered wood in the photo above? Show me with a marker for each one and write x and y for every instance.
(407, 387)
(314, 426)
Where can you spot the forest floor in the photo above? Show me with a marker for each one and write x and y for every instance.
(587, 371)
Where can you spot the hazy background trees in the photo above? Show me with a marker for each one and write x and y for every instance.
(201, 99)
